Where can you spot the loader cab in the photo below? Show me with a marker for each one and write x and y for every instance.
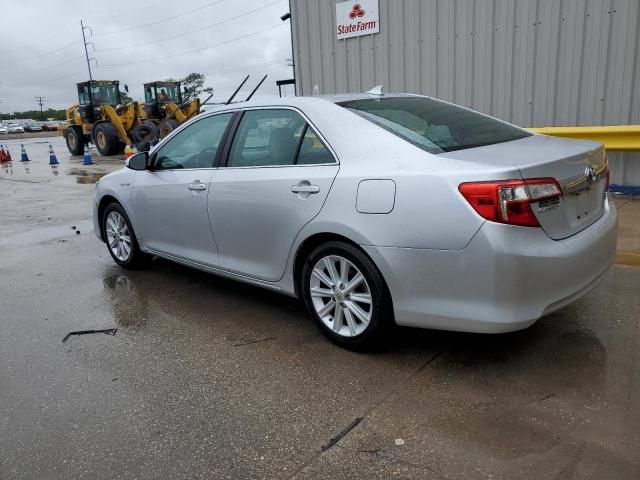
(94, 93)
(158, 94)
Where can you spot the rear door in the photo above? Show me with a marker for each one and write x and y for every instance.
(276, 177)
(170, 201)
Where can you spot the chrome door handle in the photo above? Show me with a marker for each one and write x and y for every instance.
(197, 185)
(305, 189)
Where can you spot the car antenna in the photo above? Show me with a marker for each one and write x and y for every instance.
(257, 87)
(237, 90)
(378, 90)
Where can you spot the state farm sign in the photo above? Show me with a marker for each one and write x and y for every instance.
(357, 17)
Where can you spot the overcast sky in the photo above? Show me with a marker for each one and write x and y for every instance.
(41, 50)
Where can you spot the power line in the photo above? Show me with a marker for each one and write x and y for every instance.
(42, 54)
(74, 59)
(49, 80)
(242, 67)
(186, 52)
(130, 12)
(190, 32)
(69, 45)
(160, 21)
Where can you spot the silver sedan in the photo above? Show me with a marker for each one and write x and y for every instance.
(375, 210)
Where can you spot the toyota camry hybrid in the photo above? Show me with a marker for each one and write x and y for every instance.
(373, 209)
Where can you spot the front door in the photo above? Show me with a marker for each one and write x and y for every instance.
(276, 178)
(170, 200)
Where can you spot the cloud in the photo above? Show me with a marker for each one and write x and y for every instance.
(41, 51)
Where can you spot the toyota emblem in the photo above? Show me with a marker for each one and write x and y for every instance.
(590, 173)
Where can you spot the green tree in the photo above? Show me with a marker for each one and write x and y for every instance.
(124, 97)
(35, 115)
(193, 86)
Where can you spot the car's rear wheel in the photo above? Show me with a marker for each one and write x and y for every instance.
(120, 239)
(346, 295)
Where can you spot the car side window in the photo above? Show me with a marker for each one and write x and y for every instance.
(312, 150)
(195, 146)
(266, 138)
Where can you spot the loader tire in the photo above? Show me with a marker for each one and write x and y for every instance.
(167, 127)
(75, 140)
(144, 134)
(105, 136)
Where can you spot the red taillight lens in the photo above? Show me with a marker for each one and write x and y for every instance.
(509, 201)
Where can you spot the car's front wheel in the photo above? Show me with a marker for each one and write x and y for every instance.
(120, 238)
(346, 295)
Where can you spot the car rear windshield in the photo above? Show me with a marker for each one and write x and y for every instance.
(433, 125)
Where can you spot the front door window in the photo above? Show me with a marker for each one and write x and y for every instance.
(195, 146)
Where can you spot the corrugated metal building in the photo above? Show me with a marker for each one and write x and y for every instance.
(531, 62)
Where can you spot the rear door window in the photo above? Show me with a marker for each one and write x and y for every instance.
(433, 125)
(276, 137)
(312, 150)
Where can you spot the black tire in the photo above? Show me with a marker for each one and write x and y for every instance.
(144, 134)
(381, 308)
(137, 258)
(167, 126)
(105, 137)
(75, 140)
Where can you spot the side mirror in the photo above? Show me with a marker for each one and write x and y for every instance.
(138, 161)
(126, 88)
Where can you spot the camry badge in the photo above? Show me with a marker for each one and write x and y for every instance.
(590, 173)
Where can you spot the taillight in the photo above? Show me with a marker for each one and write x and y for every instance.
(509, 201)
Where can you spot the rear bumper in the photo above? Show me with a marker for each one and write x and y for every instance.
(504, 280)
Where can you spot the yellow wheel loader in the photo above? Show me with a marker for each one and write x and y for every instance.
(164, 110)
(100, 117)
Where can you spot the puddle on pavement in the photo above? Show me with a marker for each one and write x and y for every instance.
(129, 308)
(85, 176)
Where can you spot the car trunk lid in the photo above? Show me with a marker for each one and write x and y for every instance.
(578, 166)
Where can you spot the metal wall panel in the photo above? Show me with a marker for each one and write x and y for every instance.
(531, 62)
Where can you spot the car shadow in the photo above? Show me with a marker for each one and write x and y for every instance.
(175, 289)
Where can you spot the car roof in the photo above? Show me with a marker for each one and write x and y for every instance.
(305, 101)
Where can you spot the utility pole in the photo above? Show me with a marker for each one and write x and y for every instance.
(40, 101)
(86, 52)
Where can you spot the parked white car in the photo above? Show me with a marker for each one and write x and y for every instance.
(3, 129)
(372, 209)
(15, 129)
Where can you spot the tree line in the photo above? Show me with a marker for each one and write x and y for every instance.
(34, 115)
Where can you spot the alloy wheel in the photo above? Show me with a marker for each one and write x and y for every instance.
(118, 236)
(341, 296)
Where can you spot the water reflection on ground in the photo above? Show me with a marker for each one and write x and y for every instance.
(85, 176)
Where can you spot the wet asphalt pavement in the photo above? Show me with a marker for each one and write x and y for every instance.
(208, 378)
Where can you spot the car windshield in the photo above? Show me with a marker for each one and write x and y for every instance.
(104, 94)
(433, 125)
